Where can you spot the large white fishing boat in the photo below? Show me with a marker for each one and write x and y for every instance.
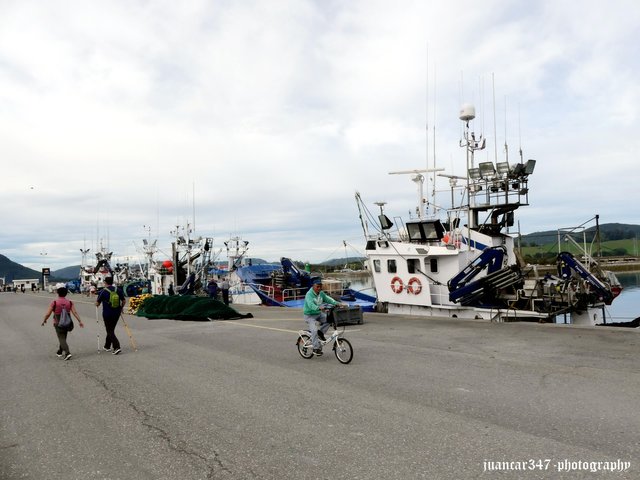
(461, 261)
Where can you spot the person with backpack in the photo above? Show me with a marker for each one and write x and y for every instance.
(62, 310)
(112, 300)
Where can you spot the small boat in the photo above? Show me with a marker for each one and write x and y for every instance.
(461, 262)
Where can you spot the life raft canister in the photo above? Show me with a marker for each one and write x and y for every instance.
(396, 284)
(414, 286)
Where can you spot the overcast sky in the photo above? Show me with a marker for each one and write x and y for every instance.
(120, 119)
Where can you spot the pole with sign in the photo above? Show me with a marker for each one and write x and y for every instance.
(46, 271)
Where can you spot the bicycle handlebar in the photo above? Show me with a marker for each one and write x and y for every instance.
(331, 306)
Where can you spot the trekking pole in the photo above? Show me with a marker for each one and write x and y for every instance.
(98, 330)
(126, 327)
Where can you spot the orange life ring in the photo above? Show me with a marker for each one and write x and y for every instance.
(396, 284)
(410, 286)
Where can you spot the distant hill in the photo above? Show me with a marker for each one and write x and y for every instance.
(67, 273)
(14, 271)
(608, 232)
(341, 262)
(11, 271)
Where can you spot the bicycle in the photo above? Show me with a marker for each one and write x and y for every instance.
(341, 346)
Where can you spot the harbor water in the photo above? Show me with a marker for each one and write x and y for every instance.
(623, 309)
(627, 306)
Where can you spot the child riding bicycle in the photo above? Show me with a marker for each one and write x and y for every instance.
(313, 312)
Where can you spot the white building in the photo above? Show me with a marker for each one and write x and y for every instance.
(28, 283)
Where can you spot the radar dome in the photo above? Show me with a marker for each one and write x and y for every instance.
(467, 112)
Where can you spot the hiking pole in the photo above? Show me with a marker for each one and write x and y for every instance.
(98, 330)
(126, 327)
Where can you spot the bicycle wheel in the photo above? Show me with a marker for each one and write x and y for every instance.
(343, 350)
(305, 349)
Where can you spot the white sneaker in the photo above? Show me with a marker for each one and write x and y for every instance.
(116, 351)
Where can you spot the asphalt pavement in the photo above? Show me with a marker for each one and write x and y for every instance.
(422, 398)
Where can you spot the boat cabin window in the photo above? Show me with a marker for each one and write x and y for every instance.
(433, 265)
(391, 266)
(413, 265)
(428, 231)
(376, 266)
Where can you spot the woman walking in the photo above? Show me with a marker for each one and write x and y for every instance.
(56, 308)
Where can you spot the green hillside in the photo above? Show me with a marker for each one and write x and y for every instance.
(616, 239)
(547, 253)
(67, 273)
(11, 270)
(608, 232)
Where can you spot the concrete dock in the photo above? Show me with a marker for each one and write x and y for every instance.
(422, 398)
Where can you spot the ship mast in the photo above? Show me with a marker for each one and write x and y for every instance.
(419, 179)
(471, 143)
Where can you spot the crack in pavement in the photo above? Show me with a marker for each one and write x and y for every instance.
(13, 445)
(213, 464)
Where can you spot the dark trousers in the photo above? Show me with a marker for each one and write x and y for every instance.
(62, 340)
(225, 296)
(110, 323)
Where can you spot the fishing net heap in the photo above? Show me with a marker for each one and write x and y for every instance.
(187, 307)
(136, 302)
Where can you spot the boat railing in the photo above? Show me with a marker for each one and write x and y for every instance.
(293, 293)
(499, 190)
(240, 287)
(266, 289)
(439, 295)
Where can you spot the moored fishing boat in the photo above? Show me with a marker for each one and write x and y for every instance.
(187, 270)
(282, 284)
(92, 276)
(462, 262)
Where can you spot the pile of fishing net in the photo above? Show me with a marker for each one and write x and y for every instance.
(186, 307)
